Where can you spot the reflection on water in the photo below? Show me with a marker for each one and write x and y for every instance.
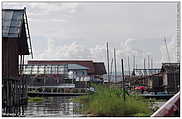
(61, 106)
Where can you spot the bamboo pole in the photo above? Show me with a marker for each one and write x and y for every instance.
(111, 66)
(123, 82)
(115, 74)
(108, 62)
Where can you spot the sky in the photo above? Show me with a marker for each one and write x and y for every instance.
(80, 30)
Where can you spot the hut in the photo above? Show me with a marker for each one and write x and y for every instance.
(15, 37)
(171, 77)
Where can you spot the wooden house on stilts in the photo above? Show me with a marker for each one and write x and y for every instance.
(16, 43)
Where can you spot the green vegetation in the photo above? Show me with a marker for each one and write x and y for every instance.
(35, 99)
(110, 102)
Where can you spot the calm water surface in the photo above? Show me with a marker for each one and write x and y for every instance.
(61, 106)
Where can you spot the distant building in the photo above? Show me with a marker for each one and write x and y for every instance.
(166, 79)
(53, 75)
(57, 72)
(150, 78)
(95, 69)
(171, 77)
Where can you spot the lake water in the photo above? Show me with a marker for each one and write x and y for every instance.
(61, 106)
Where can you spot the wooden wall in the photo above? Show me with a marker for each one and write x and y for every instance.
(173, 80)
(9, 57)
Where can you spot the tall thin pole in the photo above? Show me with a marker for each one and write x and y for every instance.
(148, 65)
(151, 63)
(133, 62)
(108, 62)
(167, 50)
(148, 62)
(111, 66)
(133, 73)
(144, 63)
(115, 77)
(123, 84)
(129, 73)
(145, 73)
(128, 66)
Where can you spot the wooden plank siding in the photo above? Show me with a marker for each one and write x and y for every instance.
(10, 57)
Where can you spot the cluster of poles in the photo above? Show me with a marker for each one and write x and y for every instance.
(109, 69)
(115, 76)
(113, 60)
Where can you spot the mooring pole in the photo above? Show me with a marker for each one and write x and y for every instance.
(123, 82)
(115, 74)
(111, 67)
(107, 47)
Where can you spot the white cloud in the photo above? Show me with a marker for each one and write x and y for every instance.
(85, 28)
(71, 51)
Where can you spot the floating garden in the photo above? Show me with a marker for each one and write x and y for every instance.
(109, 102)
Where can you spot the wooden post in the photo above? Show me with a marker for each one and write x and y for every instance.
(115, 74)
(133, 62)
(108, 62)
(129, 80)
(148, 62)
(145, 72)
(111, 67)
(123, 84)
(128, 66)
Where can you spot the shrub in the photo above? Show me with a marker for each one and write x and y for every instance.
(110, 102)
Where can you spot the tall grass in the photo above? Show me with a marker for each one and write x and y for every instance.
(110, 102)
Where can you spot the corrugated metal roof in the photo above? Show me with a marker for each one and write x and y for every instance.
(11, 22)
(76, 67)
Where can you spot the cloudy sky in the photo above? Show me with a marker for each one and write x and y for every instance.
(81, 30)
